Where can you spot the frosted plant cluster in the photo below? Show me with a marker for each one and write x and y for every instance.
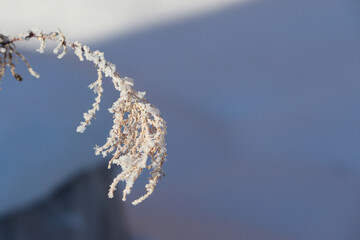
(138, 132)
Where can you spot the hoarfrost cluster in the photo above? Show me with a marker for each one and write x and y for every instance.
(138, 131)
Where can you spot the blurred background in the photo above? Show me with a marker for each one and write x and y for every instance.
(262, 101)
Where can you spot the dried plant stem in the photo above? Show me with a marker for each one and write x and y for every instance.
(138, 132)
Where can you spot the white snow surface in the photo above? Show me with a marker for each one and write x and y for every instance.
(93, 20)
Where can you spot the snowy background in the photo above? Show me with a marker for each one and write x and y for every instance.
(262, 100)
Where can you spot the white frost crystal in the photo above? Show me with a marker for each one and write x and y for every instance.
(137, 137)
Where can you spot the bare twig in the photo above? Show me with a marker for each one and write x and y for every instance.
(138, 132)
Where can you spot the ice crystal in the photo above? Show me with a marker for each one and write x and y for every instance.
(137, 138)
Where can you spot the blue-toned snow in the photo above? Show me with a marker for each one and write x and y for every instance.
(262, 102)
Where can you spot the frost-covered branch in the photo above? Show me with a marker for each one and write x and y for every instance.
(138, 132)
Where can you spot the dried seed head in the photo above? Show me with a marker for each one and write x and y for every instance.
(137, 137)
